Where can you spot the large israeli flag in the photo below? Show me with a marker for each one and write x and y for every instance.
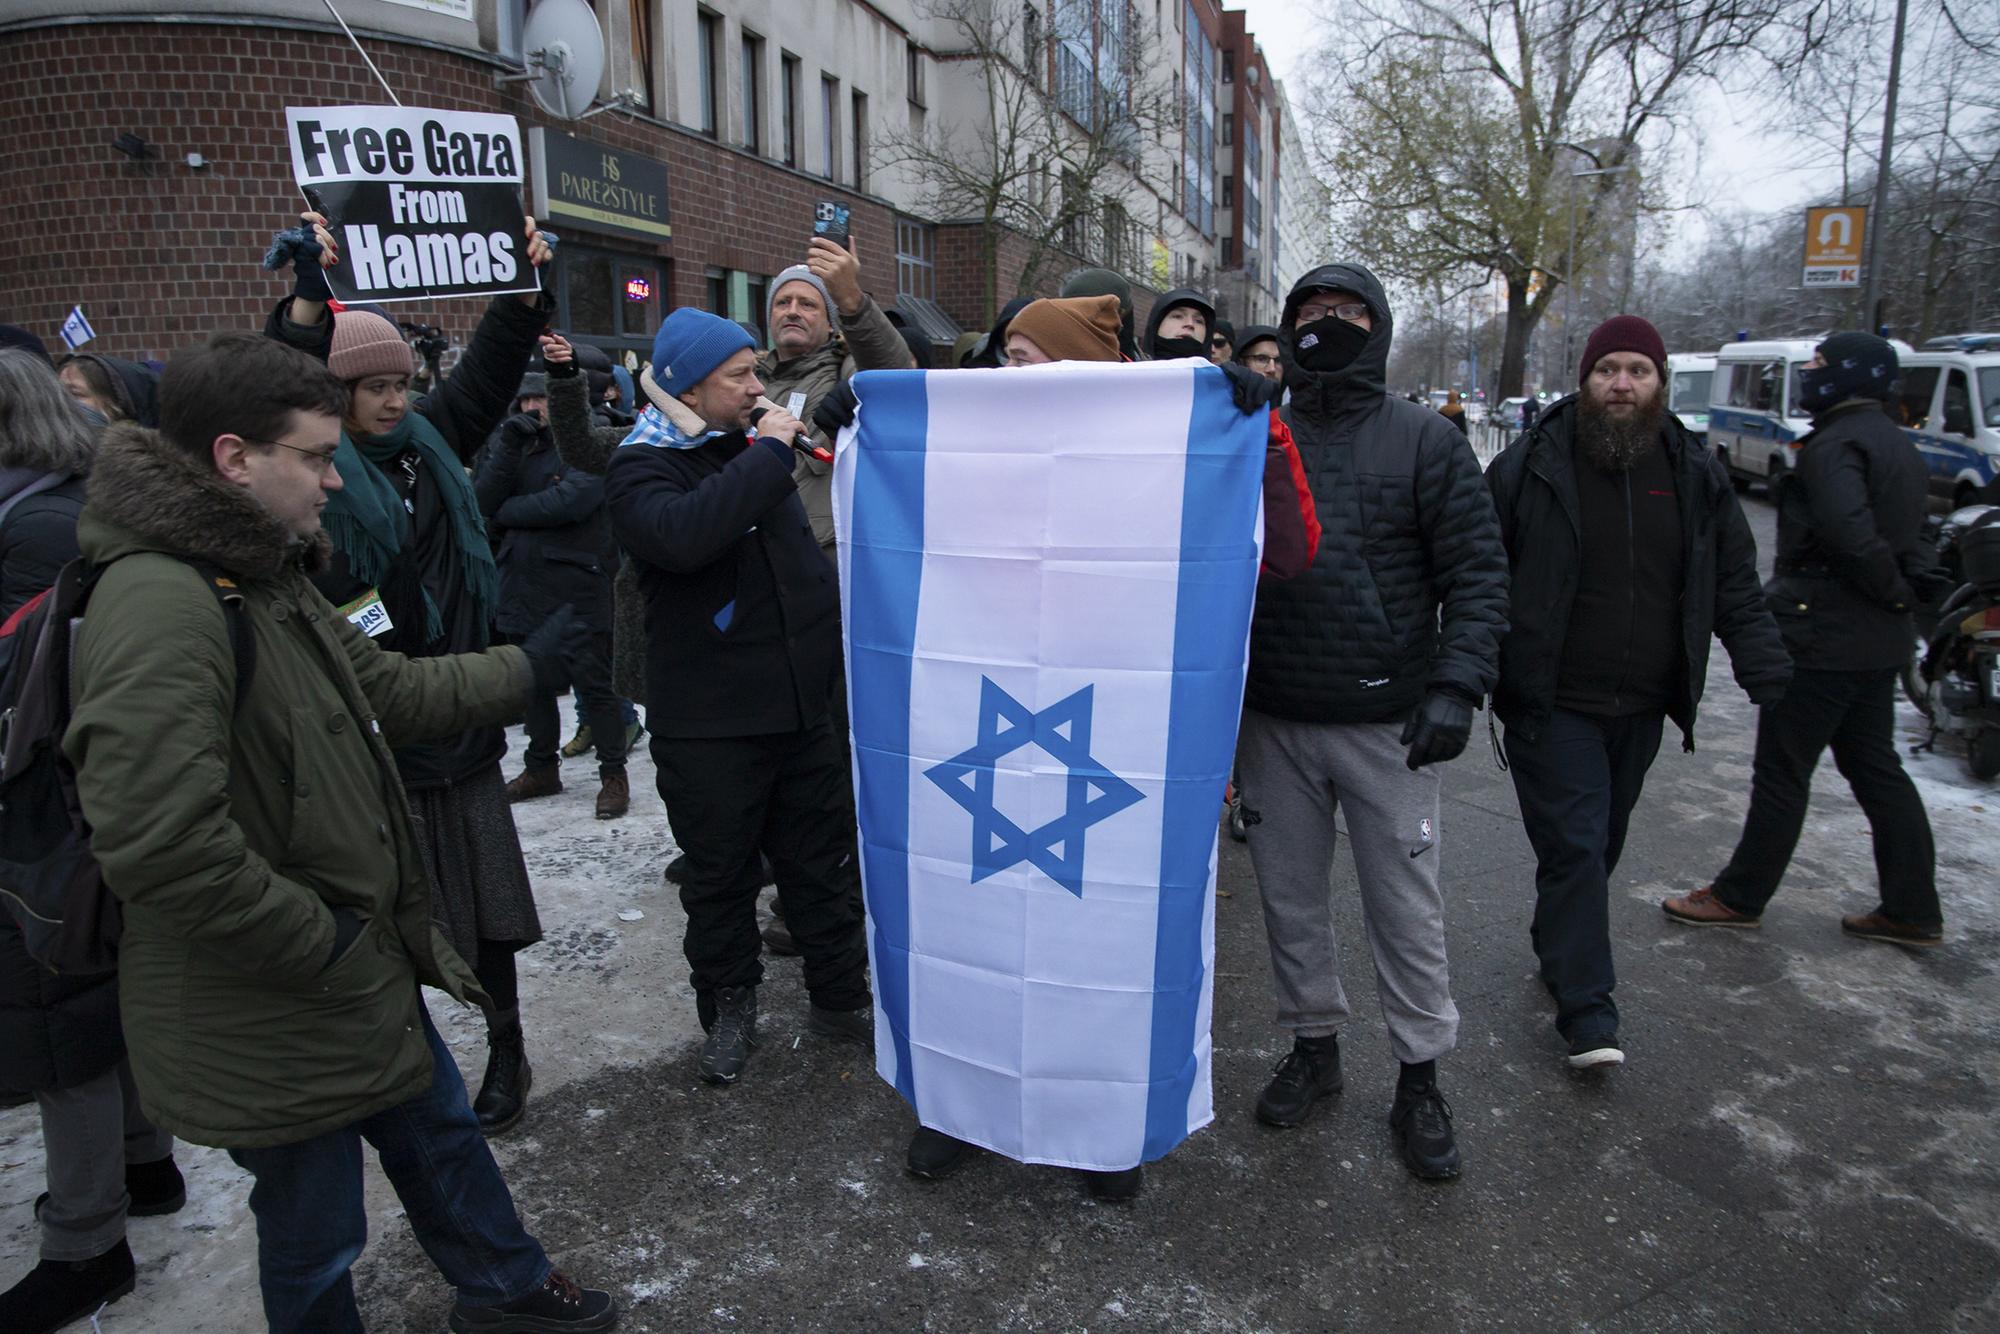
(1047, 576)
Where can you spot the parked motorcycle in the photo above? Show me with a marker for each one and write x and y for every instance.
(1954, 678)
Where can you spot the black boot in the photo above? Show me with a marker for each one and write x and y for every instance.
(57, 1292)
(560, 1303)
(727, 1049)
(156, 1188)
(503, 1093)
(935, 1155)
(1115, 1187)
(1309, 1072)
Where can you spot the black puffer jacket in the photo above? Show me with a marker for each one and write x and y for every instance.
(1409, 590)
(1534, 489)
(1850, 533)
(55, 1031)
(548, 519)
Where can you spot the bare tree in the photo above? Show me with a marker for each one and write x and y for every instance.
(1068, 103)
(1455, 129)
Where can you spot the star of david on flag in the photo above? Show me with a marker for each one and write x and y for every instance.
(1093, 792)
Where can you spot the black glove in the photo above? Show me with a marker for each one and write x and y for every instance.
(1439, 729)
(520, 430)
(561, 370)
(836, 410)
(1932, 584)
(295, 246)
(1250, 391)
(558, 640)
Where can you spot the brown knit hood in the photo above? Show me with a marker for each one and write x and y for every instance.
(148, 495)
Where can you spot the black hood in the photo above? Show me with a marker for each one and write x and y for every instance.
(1180, 296)
(1253, 333)
(136, 387)
(1368, 373)
(994, 353)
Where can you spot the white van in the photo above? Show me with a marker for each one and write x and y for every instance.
(1754, 420)
(1689, 375)
(1949, 406)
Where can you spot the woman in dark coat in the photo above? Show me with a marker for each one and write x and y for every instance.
(60, 1042)
(412, 565)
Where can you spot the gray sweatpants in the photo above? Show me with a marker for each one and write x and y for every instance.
(89, 1133)
(1294, 776)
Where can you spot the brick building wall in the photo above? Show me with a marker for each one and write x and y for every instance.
(160, 254)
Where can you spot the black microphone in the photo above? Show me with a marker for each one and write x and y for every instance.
(801, 442)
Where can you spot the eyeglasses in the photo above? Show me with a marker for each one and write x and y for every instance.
(1350, 311)
(1263, 359)
(322, 459)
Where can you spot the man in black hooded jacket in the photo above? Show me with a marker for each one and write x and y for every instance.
(1179, 325)
(1849, 549)
(1365, 670)
(1628, 554)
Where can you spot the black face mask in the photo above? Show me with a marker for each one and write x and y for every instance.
(1328, 344)
(1166, 349)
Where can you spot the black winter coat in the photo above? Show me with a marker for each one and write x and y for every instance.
(37, 540)
(1850, 535)
(55, 1031)
(465, 408)
(1409, 590)
(742, 613)
(1534, 489)
(553, 540)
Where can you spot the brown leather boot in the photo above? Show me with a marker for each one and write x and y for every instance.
(1877, 926)
(535, 783)
(1702, 908)
(614, 798)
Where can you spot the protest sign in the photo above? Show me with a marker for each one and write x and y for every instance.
(421, 203)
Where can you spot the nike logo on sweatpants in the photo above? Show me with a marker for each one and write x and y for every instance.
(1420, 852)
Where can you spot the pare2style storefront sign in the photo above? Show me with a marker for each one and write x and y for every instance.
(421, 203)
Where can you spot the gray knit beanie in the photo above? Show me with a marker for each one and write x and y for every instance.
(799, 273)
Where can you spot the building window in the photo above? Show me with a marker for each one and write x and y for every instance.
(716, 283)
(1198, 126)
(1228, 251)
(860, 112)
(913, 72)
(753, 92)
(1229, 67)
(1228, 129)
(829, 114)
(1031, 43)
(788, 75)
(916, 271)
(708, 44)
(642, 53)
(1229, 192)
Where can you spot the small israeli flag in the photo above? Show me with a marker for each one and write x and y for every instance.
(76, 330)
(1047, 576)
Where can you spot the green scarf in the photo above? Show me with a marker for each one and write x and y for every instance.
(370, 527)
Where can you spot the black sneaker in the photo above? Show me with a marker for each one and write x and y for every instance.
(1421, 1123)
(56, 1293)
(558, 1305)
(856, 1026)
(1595, 1049)
(727, 1048)
(935, 1155)
(1115, 1187)
(1309, 1072)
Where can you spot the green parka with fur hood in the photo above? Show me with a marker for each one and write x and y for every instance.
(231, 833)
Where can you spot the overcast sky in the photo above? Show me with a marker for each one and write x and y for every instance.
(1741, 165)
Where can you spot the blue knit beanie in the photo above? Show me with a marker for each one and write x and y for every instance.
(690, 345)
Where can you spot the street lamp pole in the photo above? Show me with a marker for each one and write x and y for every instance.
(1569, 278)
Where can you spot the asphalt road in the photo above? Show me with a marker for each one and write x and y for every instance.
(1803, 1136)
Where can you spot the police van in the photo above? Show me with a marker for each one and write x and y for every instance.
(1689, 375)
(1754, 420)
(1949, 406)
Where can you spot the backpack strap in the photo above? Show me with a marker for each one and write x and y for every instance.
(241, 641)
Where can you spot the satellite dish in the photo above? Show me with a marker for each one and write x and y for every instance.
(564, 52)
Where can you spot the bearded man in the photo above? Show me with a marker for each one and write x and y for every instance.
(1628, 551)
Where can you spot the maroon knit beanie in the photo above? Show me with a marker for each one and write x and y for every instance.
(1623, 333)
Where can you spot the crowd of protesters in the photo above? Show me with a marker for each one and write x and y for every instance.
(300, 835)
